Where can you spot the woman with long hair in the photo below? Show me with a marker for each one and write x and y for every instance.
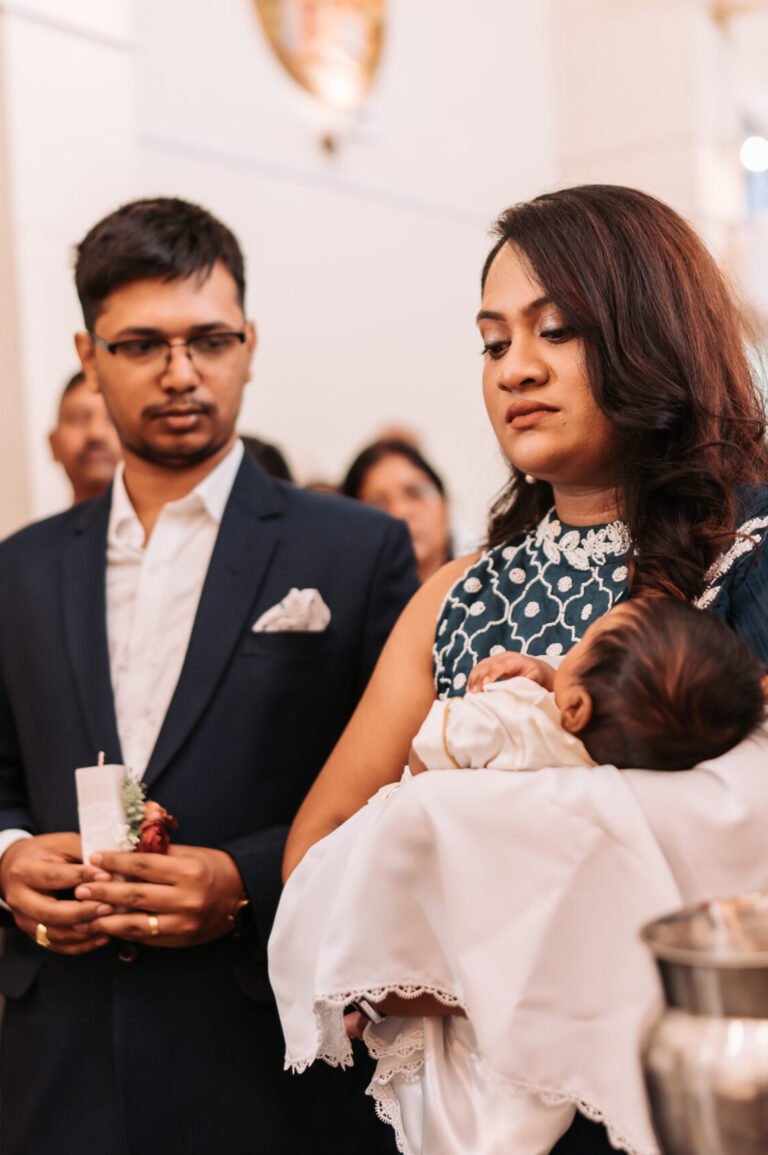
(617, 379)
(394, 475)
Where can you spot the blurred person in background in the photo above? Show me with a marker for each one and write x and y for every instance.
(394, 476)
(84, 441)
(318, 485)
(400, 433)
(269, 457)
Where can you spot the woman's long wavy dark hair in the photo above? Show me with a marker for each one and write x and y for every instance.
(667, 359)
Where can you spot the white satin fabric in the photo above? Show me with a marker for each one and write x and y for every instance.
(455, 1105)
(513, 724)
(517, 897)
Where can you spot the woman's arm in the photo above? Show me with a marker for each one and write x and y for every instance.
(373, 749)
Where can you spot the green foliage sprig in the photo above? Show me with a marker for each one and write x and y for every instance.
(134, 802)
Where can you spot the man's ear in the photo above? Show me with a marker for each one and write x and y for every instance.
(764, 684)
(575, 709)
(87, 354)
(53, 441)
(251, 341)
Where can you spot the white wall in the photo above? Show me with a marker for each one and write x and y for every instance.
(69, 147)
(363, 265)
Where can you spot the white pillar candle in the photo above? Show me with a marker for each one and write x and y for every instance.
(100, 806)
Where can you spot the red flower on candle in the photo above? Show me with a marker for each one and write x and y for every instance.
(155, 829)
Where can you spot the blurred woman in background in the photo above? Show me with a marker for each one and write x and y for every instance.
(393, 475)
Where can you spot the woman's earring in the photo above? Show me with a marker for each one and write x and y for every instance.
(529, 479)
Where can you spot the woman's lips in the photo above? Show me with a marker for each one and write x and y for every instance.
(526, 416)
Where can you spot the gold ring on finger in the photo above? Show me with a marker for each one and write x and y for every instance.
(41, 935)
(154, 926)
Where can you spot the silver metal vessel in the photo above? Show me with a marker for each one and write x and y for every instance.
(706, 1060)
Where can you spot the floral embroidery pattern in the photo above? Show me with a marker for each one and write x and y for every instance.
(745, 543)
(536, 595)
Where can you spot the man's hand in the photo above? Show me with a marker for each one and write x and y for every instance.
(509, 665)
(183, 898)
(31, 871)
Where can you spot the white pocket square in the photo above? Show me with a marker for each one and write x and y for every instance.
(300, 610)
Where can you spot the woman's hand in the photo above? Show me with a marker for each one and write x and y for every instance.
(423, 1006)
(510, 665)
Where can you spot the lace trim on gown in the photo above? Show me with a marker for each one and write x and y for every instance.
(333, 1045)
(403, 1060)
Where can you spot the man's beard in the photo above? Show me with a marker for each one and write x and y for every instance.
(180, 458)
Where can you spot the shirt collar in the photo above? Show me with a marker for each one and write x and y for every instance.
(211, 495)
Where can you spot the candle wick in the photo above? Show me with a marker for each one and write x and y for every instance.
(100, 761)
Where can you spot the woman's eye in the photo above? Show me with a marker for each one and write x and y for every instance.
(557, 334)
(495, 349)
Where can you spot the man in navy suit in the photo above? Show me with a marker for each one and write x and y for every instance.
(147, 624)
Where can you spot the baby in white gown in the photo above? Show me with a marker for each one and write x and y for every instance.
(643, 688)
(517, 897)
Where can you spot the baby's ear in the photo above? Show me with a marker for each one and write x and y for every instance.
(575, 708)
(764, 684)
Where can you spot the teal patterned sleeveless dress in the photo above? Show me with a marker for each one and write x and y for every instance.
(538, 593)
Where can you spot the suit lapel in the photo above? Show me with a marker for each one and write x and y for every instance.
(245, 545)
(85, 625)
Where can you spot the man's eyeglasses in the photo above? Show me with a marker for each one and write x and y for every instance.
(204, 349)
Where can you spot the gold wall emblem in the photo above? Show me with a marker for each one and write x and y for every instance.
(331, 47)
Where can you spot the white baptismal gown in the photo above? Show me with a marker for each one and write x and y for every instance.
(453, 1107)
(511, 725)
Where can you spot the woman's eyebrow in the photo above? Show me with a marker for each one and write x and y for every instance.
(532, 307)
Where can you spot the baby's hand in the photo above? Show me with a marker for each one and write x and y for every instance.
(510, 665)
(415, 764)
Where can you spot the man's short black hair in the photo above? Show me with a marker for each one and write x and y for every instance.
(160, 237)
(74, 382)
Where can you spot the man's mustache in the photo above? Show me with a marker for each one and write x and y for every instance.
(96, 447)
(174, 408)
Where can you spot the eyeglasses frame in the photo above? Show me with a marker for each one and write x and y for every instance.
(113, 347)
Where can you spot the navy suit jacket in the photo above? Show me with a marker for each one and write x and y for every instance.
(252, 719)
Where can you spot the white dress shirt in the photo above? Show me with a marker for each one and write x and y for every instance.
(153, 590)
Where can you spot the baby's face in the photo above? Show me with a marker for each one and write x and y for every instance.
(567, 673)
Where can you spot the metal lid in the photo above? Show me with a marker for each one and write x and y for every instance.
(725, 933)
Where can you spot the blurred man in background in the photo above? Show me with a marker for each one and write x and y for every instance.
(84, 440)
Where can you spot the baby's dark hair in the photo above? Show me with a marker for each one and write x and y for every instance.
(670, 686)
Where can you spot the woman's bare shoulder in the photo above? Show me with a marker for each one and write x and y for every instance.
(418, 620)
(434, 590)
